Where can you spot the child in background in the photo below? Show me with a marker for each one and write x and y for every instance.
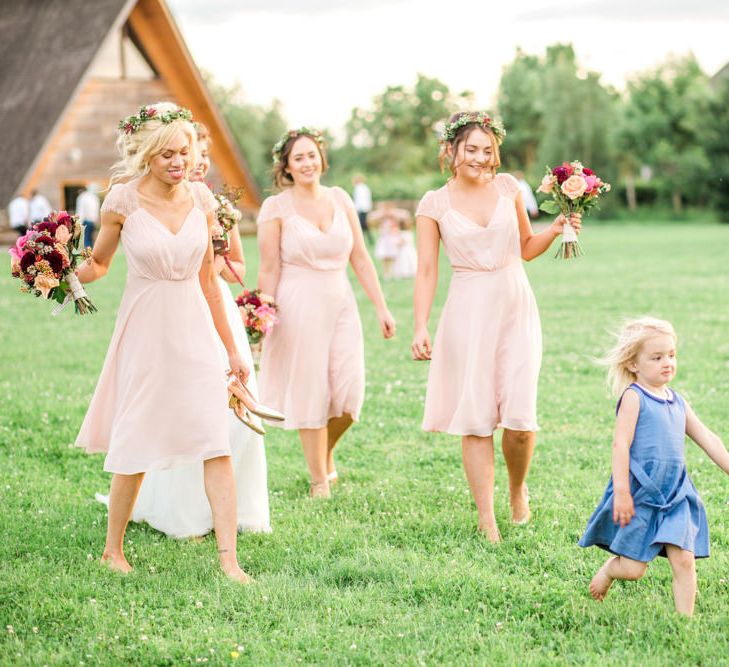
(651, 507)
(388, 241)
(406, 262)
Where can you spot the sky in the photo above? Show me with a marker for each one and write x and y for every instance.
(322, 58)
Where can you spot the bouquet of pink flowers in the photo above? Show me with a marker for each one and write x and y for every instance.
(227, 216)
(45, 260)
(574, 189)
(259, 314)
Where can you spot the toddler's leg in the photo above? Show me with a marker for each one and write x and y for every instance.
(683, 564)
(616, 567)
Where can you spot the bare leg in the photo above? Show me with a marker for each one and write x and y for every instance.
(478, 463)
(518, 448)
(615, 567)
(683, 564)
(336, 428)
(122, 496)
(314, 443)
(220, 490)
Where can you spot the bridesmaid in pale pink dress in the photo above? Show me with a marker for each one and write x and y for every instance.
(312, 368)
(161, 399)
(487, 353)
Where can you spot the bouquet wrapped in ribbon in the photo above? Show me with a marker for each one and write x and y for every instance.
(227, 216)
(45, 260)
(574, 189)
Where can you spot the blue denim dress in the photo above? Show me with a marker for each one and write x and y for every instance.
(668, 509)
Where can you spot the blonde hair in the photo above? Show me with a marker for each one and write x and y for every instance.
(137, 148)
(630, 340)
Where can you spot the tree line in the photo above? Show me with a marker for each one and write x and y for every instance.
(663, 142)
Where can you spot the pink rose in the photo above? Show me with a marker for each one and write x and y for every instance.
(62, 234)
(591, 181)
(574, 187)
(217, 231)
(45, 284)
(546, 185)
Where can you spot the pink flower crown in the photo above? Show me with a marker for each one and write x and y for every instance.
(278, 147)
(476, 118)
(132, 124)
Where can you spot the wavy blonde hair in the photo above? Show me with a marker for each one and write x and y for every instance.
(136, 149)
(630, 340)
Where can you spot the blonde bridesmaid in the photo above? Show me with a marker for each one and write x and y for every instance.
(161, 399)
(312, 367)
(487, 352)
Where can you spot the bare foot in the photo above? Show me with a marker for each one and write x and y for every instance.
(490, 530)
(332, 477)
(319, 489)
(236, 574)
(520, 513)
(116, 562)
(601, 582)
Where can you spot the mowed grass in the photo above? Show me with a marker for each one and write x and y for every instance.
(391, 571)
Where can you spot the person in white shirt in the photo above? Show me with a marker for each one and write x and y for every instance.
(87, 209)
(19, 214)
(526, 192)
(39, 206)
(362, 196)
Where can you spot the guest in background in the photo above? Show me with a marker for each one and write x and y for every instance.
(362, 197)
(527, 195)
(39, 206)
(87, 209)
(19, 214)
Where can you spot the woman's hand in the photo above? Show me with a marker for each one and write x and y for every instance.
(387, 323)
(219, 264)
(623, 510)
(238, 367)
(575, 220)
(421, 347)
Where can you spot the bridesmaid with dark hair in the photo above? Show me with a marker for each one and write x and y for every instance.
(312, 368)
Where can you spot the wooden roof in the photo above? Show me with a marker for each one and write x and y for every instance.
(46, 48)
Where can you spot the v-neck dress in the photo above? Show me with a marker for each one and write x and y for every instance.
(487, 350)
(161, 399)
(312, 368)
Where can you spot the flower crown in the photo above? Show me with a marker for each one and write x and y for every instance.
(278, 147)
(132, 124)
(478, 118)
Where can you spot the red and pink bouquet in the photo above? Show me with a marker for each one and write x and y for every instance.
(574, 189)
(259, 314)
(45, 260)
(227, 216)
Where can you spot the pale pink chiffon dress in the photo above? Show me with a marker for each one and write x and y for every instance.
(312, 368)
(488, 347)
(161, 399)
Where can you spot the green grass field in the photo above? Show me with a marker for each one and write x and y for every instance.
(391, 571)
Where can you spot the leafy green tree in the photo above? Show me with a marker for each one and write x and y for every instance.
(579, 114)
(395, 140)
(662, 126)
(520, 107)
(255, 128)
(716, 146)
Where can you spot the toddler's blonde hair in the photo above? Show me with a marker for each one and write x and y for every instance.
(136, 149)
(630, 340)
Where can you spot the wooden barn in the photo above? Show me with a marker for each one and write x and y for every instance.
(69, 70)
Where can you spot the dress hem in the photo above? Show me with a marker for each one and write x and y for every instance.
(287, 426)
(166, 463)
(605, 547)
(485, 433)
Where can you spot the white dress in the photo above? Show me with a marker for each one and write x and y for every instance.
(174, 502)
(406, 262)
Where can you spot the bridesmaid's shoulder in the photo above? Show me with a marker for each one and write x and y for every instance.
(507, 179)
(340, 194)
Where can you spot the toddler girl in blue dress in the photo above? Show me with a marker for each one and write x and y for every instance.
(651, 507)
